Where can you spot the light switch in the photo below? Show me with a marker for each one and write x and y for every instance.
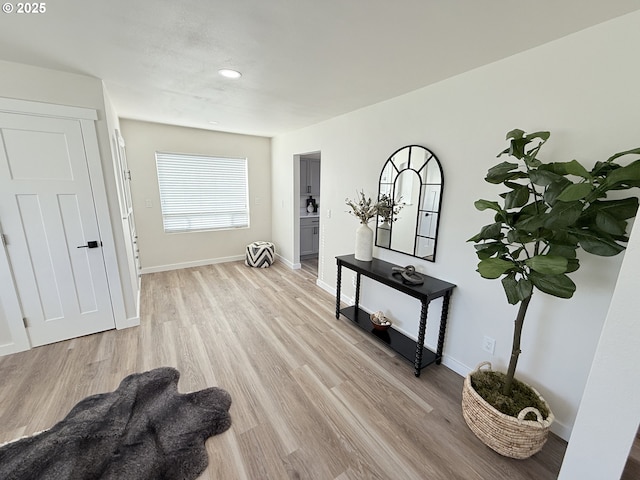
(148, 203)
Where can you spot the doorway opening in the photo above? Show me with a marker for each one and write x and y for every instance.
(308, 211)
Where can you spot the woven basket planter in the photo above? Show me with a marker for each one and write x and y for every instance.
(509, 436)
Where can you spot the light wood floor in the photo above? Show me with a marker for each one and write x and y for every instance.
(313, 397)
(310, 265)
(632, 467)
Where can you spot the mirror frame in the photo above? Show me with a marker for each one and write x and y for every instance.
(396, 170)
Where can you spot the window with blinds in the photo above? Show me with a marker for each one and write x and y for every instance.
(199, 192)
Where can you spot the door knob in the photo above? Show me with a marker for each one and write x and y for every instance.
(91, 244)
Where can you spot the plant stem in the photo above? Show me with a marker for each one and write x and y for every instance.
(515, 352)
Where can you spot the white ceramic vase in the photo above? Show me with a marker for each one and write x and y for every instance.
(364, 243)
(384, 235)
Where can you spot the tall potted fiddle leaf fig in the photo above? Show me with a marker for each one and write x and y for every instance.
(546, 211)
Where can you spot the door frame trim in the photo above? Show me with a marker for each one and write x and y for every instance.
(10, 305)
(12, 105)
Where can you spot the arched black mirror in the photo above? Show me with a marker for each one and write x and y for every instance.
(411, 191)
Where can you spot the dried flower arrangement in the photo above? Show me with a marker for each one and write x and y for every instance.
(388, 208)
(364, 208)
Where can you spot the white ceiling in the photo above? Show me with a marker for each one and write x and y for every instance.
(303, 61)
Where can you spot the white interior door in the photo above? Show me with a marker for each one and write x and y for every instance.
(49, 221)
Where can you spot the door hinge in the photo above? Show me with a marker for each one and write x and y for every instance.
(4, 239)
(24, 320)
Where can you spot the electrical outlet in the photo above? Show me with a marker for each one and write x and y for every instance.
(353, 280)
(488, 344)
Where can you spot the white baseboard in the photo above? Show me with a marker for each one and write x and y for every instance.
(326, 287)
(197, 263)
(561, 430)
(10, 348)
(292, 266)
(453, 364)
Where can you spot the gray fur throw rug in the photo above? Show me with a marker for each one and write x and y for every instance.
(143, 430)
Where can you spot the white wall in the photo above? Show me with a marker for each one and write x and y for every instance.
(611, 402)
(165, 251)
(583, 88)
(50, 86)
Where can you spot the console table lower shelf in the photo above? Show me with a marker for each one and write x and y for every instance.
(396, 341)
(382, 272)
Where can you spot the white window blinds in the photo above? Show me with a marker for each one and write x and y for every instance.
(198, 192)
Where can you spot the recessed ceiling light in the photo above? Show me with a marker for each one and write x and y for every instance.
(213, 122)
(225, 72)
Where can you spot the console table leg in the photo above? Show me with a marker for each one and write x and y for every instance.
(443, 326)
(357, 299)
(421, 332)
(339, 280)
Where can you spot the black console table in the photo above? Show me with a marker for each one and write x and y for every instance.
(432, 288)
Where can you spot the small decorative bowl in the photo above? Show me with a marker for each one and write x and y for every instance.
(379, 321)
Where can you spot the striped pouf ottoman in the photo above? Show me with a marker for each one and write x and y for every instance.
(260, 254)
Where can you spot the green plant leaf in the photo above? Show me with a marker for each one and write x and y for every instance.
(519, 236)
(510, 285)
(563, 214)
(543, 177)
(486, 204)
(515, 133)
(573, 192)
(494, 267)
(630, 173)
(597, 243)
(610, 224)
(517, 197)
(490, 249)
(532, 223)
(547, 264)
(532, 161)
(564, 237)
(557, 285)
(525, 288)
(488, 232)
(503, 171)
(533, 208)
(626, 152)
(620, 209)
(554, 189)
(516, 147)
(516, 290)
(512, 185)
(568, 168)
(573, 264)
(567, 251)
(544, 136)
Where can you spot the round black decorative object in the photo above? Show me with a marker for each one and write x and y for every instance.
(407, 275)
